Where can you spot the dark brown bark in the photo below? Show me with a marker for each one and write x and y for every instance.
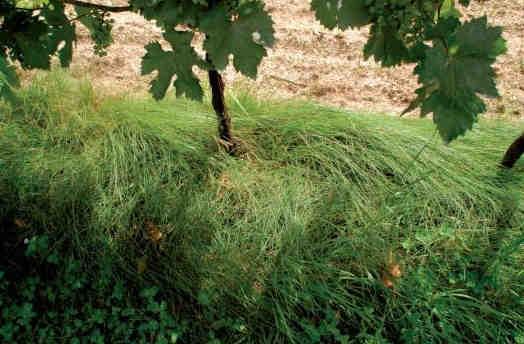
(515, 151)
(219, 105)
(90, 5)
(219, 102)
(114, 9)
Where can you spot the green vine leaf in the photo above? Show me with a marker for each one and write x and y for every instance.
(168, 14)
(245, 36)
(457, 69)
(341, 13)
(61, 33)
(385, 46)
(453, 116)
(31, 46)
(178, 62)
(99, 26)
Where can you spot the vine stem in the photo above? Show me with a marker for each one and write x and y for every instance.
(216, 82)
(514, 152)
(106, 8)
(225, 130)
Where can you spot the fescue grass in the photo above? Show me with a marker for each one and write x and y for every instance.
(332, 226)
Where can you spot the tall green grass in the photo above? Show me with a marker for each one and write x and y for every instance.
(292, 242)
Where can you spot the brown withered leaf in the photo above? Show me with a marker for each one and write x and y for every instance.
(395, 271)
(258, 287)
(154, 233)
(388, 283)
(20, 223)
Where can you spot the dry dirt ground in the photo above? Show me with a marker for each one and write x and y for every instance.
(311, 62)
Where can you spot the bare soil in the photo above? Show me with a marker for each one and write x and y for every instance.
(311, 62)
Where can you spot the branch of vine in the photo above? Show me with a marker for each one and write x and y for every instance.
(106, 8)
(78, 17)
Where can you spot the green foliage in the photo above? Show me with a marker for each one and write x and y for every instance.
(245, 37)
(454, 59)
(239, 28)
(32, 38)
(290, 245)
(455, 70)
(170, 63)
(60, 32)
(99, 25)
(242, 29)
(343, 14)
(68, 305)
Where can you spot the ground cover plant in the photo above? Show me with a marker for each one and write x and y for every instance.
(122, 220)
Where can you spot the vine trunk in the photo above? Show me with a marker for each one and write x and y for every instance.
(225, 131)
(514, 152)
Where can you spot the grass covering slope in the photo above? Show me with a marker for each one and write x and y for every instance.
(332, 227)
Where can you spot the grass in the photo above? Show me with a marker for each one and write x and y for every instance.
(333, 227)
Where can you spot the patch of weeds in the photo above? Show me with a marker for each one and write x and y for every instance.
(68, 305)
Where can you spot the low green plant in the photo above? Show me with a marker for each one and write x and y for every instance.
(332, 227)
(52, 299)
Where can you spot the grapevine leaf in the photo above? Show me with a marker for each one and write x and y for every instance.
(326, 12)
(385, 46)
(66, 35)
(38, 37)
(168, 14)
(467, 61)
(245, 37)
(61, 32)
(353, 13)
(477, 38)
(177, 62)
(453, 116)
(454, 71)
(445, 28)
(31, 46)
(99, 27)
(341, 13)
(422, 95)
(448, 10)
